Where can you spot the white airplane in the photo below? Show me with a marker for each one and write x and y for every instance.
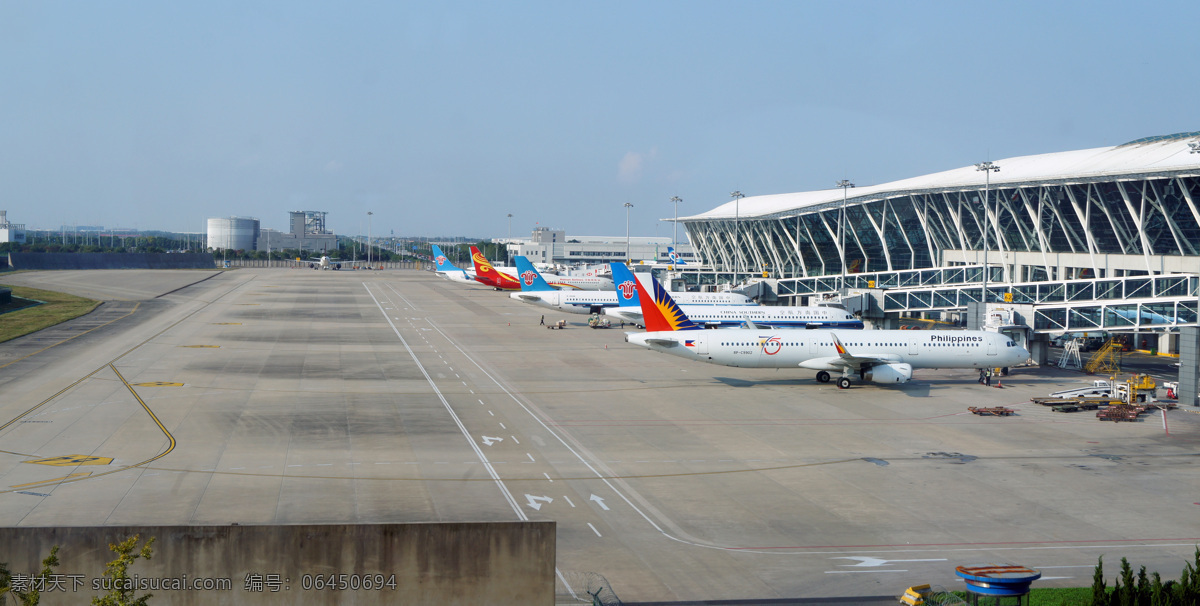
(722, 316)
(592, 302)
(532, 280)
(878, 356)
(449, 270)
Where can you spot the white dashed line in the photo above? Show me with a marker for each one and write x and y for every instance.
(514, 439)
(531, 457)
(594, 529)
(568, 500)
(547, 476)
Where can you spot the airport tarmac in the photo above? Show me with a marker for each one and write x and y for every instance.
(277, 396)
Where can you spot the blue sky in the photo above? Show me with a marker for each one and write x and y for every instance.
(442, 118)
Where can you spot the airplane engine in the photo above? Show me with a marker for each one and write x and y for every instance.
(889, 373)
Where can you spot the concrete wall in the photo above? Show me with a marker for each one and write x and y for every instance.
(451, 563)
(111, 260)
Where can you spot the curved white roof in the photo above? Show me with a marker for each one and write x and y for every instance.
(1154, 154)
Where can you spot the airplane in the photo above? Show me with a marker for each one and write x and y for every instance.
(486, 273)
(675, 260)
(629, 308)
(722, 316)
(877, 356)
(529, 276)
(579, 302)
(449, 270)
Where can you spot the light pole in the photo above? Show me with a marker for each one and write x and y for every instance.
(737, 236)
(675, 238)
(628, 260)
(988, 168)
(508, 253)
(369, 213)
(845, 184)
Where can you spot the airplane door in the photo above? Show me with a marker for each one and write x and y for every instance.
(702, 345)
(914, 346)
(991, 346)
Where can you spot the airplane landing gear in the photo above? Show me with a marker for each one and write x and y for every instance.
(844, 383)
(822, 377)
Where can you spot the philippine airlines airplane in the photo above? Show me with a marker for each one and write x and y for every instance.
(448, 270)
(593, 302)
(878, 356)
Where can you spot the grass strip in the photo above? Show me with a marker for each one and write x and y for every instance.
(56, 308)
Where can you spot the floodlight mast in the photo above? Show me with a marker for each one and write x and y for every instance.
(737, 235)
(988, 168)
(675, 238)
(845, 184)
(628, 259)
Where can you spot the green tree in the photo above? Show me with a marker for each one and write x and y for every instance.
(1099, 587)
(121, 593)
(34, 585)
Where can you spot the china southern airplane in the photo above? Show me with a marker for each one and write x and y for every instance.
(714, 314)
(593, 302)
(449, 270)
(533, 280)
(877, 356)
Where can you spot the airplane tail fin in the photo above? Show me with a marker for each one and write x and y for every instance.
(443, 263)
(482, 266)
(659, 311)
(531, 280)
(626, 285)
(675, 260)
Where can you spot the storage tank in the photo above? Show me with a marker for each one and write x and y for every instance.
(233, 233)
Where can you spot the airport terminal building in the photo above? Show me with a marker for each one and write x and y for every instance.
(1104, 239)
(1131, 209)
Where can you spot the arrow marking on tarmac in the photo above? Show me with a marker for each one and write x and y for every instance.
(865, 562)
(488, 440)
(533, 501)
(599, 501)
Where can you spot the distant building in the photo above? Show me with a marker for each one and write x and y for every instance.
(11, 232)
(554, 246)
(307, 231)
(232, 233)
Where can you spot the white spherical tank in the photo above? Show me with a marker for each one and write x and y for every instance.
(233, 233)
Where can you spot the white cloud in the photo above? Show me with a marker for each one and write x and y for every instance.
(630, 168)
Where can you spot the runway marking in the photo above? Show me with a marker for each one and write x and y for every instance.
(547, 476)
(853, 571)
(569, 501)
(514, 439)
(202, 346)
(74, 475)
(594, 530)
(226, 323)
(502, 426)
(72, 460)
(531, 458)
(461, 427)
(158, 384)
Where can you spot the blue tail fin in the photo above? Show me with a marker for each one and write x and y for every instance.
(626, 285)
(443, 263)
(530, 279)
(675, 260)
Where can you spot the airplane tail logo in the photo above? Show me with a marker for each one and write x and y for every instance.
(772, 346)
(627, 290)
(530, 279)
(674, 257)
(660, 313)
(443, 264)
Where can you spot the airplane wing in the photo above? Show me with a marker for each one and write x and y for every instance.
(845, 358)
